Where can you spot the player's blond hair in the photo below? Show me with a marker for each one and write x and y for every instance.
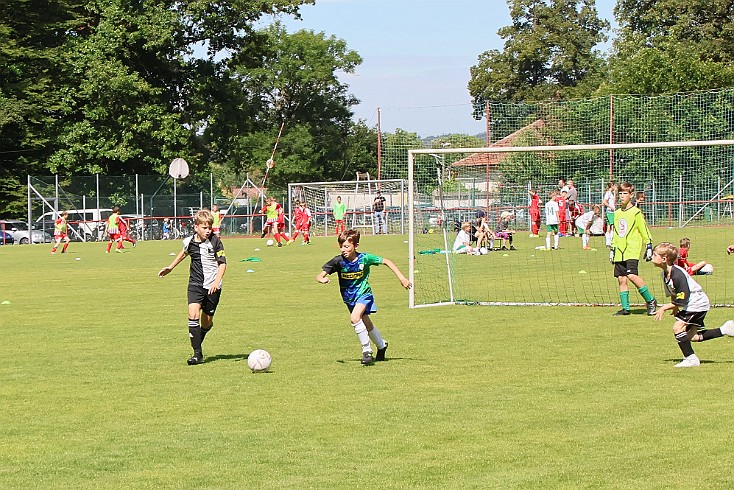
(668, 251)
(203, 216)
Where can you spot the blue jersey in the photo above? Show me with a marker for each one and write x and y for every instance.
(353, 275)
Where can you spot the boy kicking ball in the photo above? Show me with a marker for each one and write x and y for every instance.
(354, 270)
(689, 305)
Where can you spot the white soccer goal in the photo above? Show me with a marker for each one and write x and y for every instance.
(685, 188)
(358, 196)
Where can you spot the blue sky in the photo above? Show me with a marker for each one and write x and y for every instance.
(416, 54)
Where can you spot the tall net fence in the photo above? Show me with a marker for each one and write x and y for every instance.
(685, 192)
(157, 207)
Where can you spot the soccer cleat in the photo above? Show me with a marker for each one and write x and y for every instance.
(195, 359)
(512, 248)
(503, 248)
(381, 353)
(586, 248)
(690, 361)
(135, 244)
(622, 312)
(728, 328)
(280, 244)
(53, 252)
(367, 358)
(651, 307)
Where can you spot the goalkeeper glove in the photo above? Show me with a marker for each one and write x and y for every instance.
(611, 255)
(648, 252)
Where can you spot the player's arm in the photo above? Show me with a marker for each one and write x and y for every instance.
(666, 307)
(323, 278)
(216, 285)
(177, 260)
(403, 280)
(329, 268)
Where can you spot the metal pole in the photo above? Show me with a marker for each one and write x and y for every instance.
(680, 201)
(137, 191)
(97, 179)
(175, 214)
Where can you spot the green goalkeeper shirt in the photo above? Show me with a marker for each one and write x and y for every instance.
(339, 209)
(630, 234)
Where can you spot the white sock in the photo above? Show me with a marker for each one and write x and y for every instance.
(491, 244)
(585, 240)
(361, 330)
(608, 238)
(555, 241)
(547, 242)
(377, 338)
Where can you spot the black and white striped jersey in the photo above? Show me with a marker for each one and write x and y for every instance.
(685, 293)
(205, 259)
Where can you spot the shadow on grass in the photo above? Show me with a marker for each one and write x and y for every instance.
(703, 361)
(224, 357)
(359, 361)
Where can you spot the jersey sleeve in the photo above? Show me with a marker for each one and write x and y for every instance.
(681, 291)
(370, 259)
(219, 249)
(642, 227)
(334, 265)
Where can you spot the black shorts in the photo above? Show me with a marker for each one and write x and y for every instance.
(626, 268)
(208, 302)
(693, 319)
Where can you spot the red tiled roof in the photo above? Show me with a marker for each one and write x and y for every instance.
(483, 159)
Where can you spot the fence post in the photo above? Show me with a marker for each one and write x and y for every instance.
(680, 200)
(654, 200)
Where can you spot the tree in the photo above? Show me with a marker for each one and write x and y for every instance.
(672, 46)
(548, 53)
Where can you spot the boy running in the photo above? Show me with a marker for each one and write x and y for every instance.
(354, 270)
(630, 233)
(302, 218)
(113, 230)
(208, 265)
(217, 219)
(689, 304)
(61, 232)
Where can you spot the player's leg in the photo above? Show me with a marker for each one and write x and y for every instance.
(66, 244)
(194, 313)
(639, 283)
(55, 245)
(376, 338)
(620, 272)
(356, 319)
(683, 334)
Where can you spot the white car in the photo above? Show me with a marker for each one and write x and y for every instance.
(19, 230)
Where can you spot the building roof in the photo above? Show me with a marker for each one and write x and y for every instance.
(493, 159)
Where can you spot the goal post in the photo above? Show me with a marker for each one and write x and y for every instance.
(358, 196)
(682, 187)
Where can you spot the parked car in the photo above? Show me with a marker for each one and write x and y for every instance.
(19, 230)
(87, 224)
(6, 238)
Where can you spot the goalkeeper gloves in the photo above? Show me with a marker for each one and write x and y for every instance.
(611, 255)
(648, 252)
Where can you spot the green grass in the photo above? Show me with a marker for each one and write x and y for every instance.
(95, 391)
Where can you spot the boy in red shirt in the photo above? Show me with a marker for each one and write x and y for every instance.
(562, 216)
(682, 262)
(302, 217)
(534, 213)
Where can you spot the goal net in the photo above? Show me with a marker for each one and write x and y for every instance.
(684, 188)
(358, 197)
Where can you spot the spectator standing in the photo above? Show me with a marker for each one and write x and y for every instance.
(378, 209)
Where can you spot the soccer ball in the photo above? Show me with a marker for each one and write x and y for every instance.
(259, 360)
(483, 250)
(270, 243)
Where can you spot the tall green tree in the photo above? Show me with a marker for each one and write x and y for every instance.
(672, 46)
(549, 52)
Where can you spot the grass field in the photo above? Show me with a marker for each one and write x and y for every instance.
(96, 393)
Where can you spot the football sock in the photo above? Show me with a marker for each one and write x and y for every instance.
(109, 246)
(361, 330)
(585, 240)
(66, 245)
(555, 241)
(377, 338)
(295, 234)
(195, 335)
(306, 237)
(624, 298)
(704, 335)
(547, 242)
(684, 344)
(646, 294)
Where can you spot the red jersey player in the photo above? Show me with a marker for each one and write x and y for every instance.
(61, 230)
(302, 217)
